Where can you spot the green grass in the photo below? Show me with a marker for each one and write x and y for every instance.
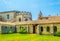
(27, 37)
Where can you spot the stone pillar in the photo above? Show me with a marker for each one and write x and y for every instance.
(0, 29)
(38, 30)
(44, 30)
(17, 28)
(31, 29)
(27, 28)
(51, 30)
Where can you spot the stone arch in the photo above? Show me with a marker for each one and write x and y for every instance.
(41, 28)
(34, 29)
(19, 19)
(48, 29)
(54, 28)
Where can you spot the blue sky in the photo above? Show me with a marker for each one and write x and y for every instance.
(47, 7)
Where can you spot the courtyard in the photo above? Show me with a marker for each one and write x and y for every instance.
(27, 37)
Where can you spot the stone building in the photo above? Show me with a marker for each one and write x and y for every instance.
(15, 16)
(48, 25)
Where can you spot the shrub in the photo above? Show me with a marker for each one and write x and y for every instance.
(40, 33)
(57, 33)
(23, 30)
(9, 32)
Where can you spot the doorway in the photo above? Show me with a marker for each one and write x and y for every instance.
(34, 30)
(48, 29)
(55, 29)
(41, 29)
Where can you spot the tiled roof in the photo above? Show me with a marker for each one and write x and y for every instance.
(9, 11)
(39, 22)
(52, 19)
(7, 23)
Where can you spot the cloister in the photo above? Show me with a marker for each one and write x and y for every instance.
(32, 28)
(37, 29)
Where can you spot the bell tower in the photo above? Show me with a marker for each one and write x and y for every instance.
(39, 15)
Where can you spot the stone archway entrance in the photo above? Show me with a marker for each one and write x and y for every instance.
(54, 29)
(15, 29)
(34, 29)
(41, 29)
(48, 29)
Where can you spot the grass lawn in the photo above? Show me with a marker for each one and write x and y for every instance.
(27, 37)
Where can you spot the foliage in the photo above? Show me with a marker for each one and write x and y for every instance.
(40, 33)
(9, 32)
(57, 33)
(23, 30)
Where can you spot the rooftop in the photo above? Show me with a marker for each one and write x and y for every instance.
(54, 19)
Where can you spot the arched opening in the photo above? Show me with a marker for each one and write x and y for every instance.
(34, 29)
(41, 29)
(4, 29)
(54, 28)
(48, 29)
(15, 29)
(19, 19)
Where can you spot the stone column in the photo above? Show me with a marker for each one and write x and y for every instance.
(17, 28)
(27, 28)
(44, 30)
(38, 30)
(31, 29)
(51, 30)
(0, 29)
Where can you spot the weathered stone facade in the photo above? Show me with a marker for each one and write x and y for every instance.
(44, 25)
(15, 16)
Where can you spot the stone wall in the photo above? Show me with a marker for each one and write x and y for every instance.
(7, 29)
(4, 16)
(23, 17)
(30, 28)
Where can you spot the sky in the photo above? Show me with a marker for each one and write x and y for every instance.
(47, 7)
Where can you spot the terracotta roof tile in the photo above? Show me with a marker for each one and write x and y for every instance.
(54, 19)
(7, 23)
